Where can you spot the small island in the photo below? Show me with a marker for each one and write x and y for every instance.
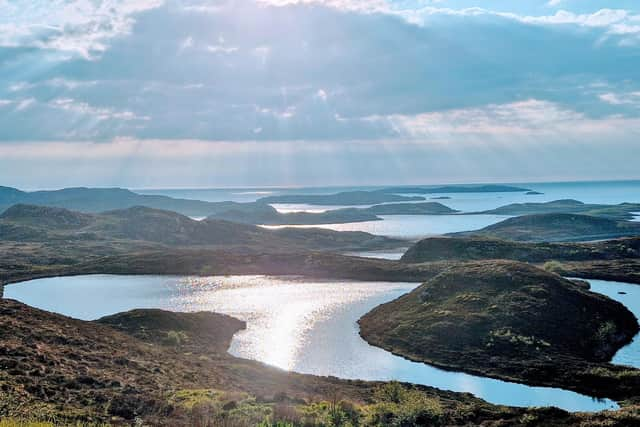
(340, 199)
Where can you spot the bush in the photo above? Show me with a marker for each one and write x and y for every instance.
(175, 338)
(553, 267)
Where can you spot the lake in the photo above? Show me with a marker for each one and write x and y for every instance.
(292, 323)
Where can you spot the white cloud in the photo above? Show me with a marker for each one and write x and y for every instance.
(80, 27)
(321, 94)
(531, 118)
(83, 108)
(24, 104)
(221, 49)
(631, 98)
(552, 3)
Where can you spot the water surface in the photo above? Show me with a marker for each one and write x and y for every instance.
(292, 323)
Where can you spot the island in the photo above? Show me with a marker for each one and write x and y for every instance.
(336, 216)
(513, 321)
(340, 199)
(485, 188)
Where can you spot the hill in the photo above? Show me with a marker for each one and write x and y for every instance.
(43, 224)
(479, 248)
(93, 200)
(557, 227)
(622, 211)
(509, 320)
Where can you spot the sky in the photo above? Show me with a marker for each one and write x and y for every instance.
(178, 93)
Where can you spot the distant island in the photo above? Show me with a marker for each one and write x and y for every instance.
(342, 198)
(533, 193)
(487, 188)
(337, 216)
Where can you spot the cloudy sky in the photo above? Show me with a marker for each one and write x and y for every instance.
(175, 93)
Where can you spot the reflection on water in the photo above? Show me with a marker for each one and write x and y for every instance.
(393, 254)
(295, 324)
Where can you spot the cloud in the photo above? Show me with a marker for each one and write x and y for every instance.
(83, 108)
(530, 119)
(81, 27)
(632, 98)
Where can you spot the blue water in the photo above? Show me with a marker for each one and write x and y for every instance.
(629, 295)
(317, 333)
(609, 192)
(414, 227)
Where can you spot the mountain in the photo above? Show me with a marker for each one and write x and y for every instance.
(93, 200)
(508, 320)
(557, 227)
(623, 211)
(343, 198)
